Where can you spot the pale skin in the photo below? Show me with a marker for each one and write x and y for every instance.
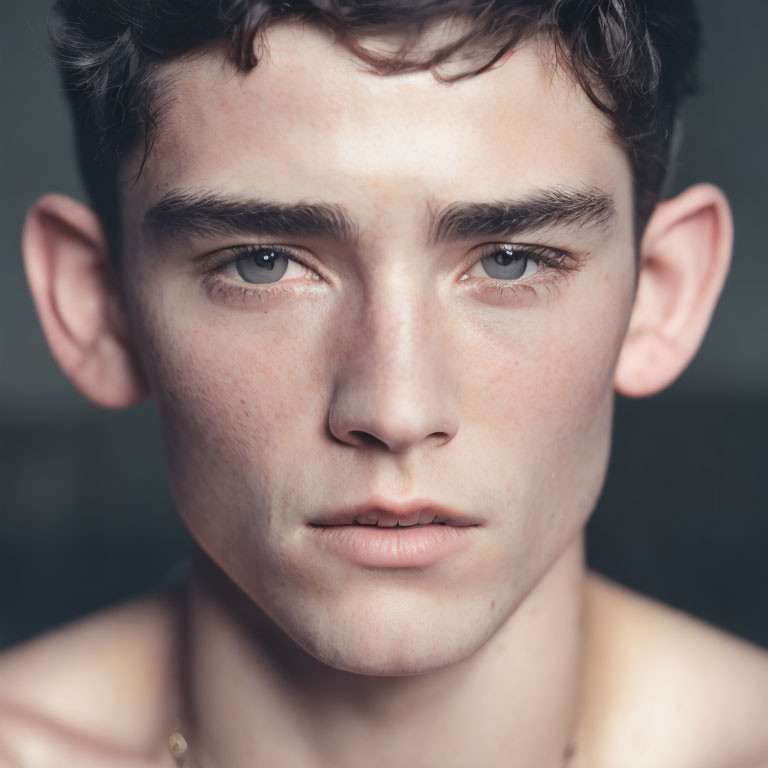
(388, 364)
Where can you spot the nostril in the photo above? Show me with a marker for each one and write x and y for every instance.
(367, 439)
(441, 437)
(395, 425)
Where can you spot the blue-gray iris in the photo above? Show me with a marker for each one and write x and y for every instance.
(505, 264)
(262, 266)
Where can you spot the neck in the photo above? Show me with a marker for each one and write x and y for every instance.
(256, 698)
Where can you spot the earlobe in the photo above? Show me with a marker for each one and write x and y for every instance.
(684, 258)
(78, 301)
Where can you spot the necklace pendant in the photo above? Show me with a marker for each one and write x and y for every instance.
(177, 745)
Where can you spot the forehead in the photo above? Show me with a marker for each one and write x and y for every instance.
(311, 121)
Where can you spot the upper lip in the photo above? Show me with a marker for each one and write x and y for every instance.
(390, 513)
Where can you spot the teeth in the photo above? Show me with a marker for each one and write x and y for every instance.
(422, 517)
(412, 519)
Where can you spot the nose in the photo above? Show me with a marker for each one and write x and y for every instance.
(394, 387)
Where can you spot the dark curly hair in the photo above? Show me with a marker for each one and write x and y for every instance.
(634, 58)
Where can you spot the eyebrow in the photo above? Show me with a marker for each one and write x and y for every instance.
(206, 214)
(549, 208)
(187, 214)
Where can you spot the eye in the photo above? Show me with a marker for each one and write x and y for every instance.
(262, 264)
(508, 262)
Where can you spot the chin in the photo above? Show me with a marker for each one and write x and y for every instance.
(393, 637)
(388, 659)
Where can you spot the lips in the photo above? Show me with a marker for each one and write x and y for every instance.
(379, 533)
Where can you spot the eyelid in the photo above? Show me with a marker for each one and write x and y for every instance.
(545, 253)
(218, 260)
(548, 256)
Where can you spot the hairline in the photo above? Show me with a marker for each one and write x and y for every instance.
(160, 83)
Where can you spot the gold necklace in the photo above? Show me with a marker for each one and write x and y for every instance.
(178, 747)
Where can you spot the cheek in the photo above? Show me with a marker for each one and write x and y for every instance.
(237, 399)
(541, 403)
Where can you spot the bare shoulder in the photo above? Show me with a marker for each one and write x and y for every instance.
(89, 692)
(664, 689)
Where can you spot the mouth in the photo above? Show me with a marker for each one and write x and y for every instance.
(383, 534)
(382, 513)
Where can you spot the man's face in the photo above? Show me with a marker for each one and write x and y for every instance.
(420, 354)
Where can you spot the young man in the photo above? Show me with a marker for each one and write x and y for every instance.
(381, 267)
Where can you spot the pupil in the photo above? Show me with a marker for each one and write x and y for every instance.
(267, 259)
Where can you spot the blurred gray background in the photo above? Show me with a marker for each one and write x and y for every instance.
(86, 517)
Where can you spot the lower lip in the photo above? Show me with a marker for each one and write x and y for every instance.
(407, 547)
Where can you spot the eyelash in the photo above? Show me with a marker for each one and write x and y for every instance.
(219, 287)
(555, 264)
(554, 261)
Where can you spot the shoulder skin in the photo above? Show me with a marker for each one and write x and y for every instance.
(88, 693)
(666, 690)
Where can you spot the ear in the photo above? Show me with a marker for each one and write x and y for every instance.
(78, 301)
(684, 258)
